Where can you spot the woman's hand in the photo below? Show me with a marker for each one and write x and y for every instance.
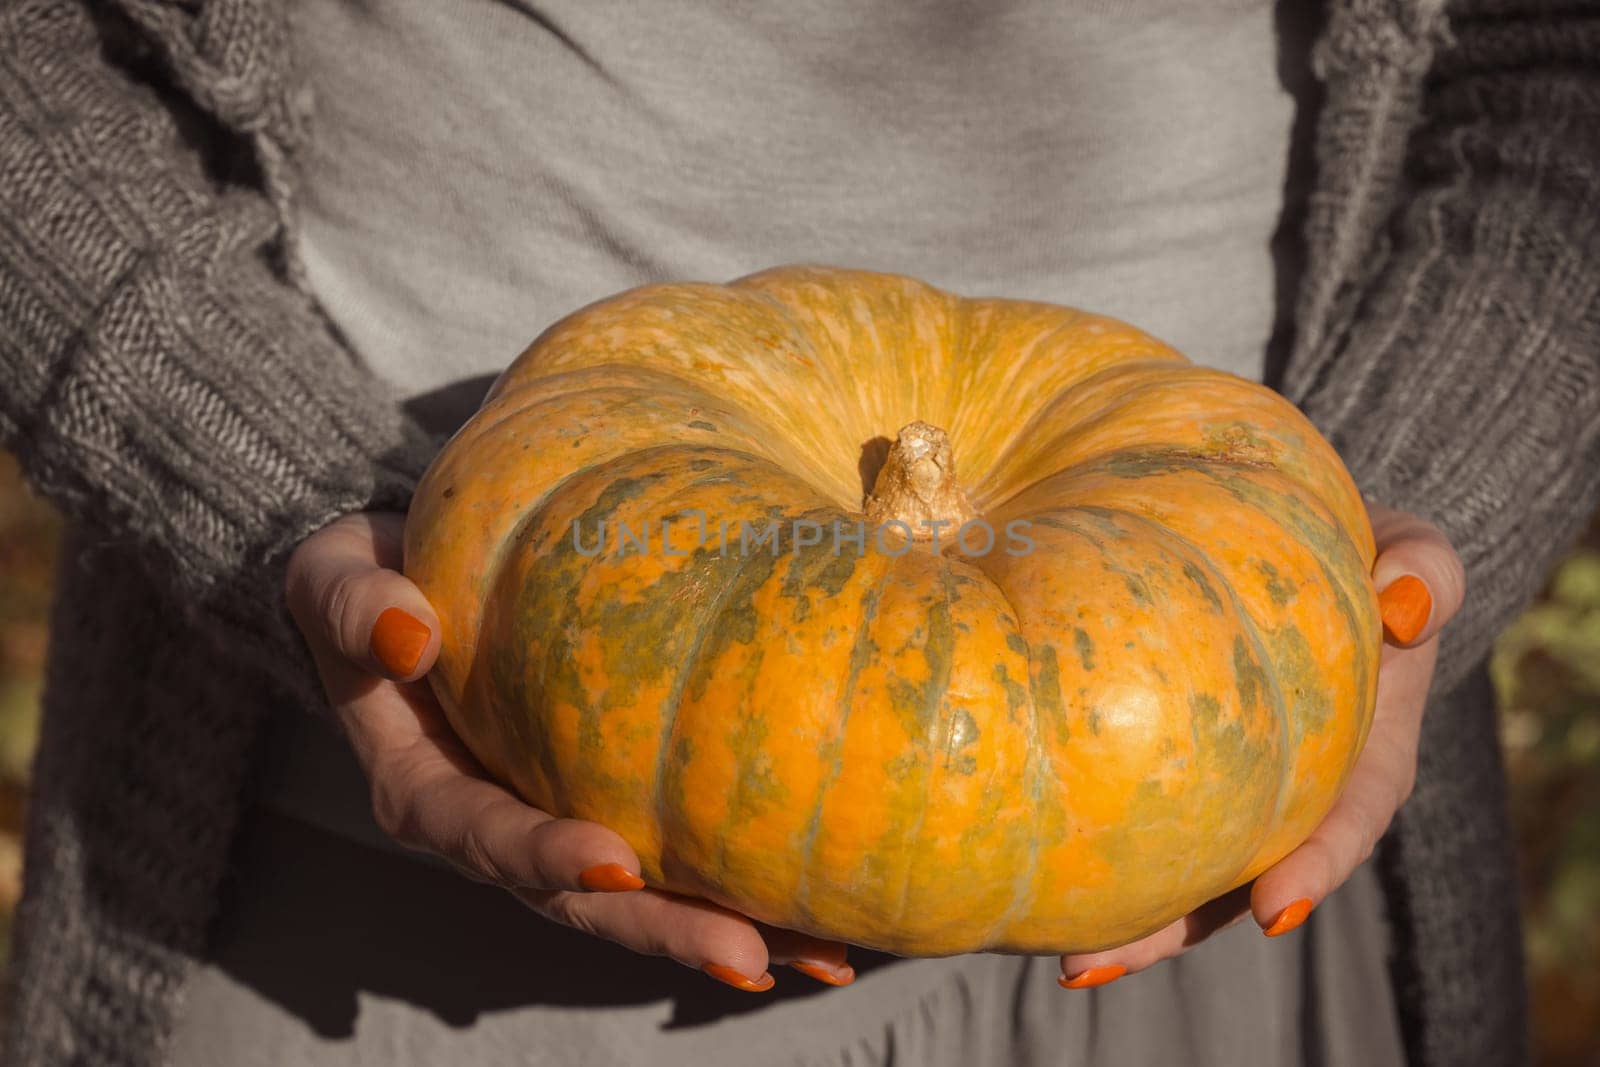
(1421, 584)
(373, 635)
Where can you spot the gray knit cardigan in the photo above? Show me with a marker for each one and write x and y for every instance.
(167, 382)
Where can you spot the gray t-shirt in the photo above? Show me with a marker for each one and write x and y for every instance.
(480, 169)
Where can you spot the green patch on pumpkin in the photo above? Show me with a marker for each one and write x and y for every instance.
(1299, 674)
(1085, 646)
(1045, 687)
(1280, 589)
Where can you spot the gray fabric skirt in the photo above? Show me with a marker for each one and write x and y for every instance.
(329, 951)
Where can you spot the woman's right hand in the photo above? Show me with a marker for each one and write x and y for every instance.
(373, 635)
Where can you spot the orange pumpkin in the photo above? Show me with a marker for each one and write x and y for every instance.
(1139, 679)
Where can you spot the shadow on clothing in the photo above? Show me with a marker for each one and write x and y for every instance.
(1297, 31)
(311, 920)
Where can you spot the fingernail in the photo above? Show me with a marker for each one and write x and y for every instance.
(1093, 976)
(609, 878)
(844, 976)
(1289, 917)
(723, 973)
(1405, 606)
(398, 640)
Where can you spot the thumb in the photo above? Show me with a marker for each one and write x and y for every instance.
(347, 595)
(1419, 577)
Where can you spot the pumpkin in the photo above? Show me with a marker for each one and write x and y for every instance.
(688, 564)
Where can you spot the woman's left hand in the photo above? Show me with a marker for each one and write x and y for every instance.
(1421, 584)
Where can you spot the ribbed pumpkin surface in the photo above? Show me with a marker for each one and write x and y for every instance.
(1055, 750)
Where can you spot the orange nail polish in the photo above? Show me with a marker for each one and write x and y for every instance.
(723, 973)
(822, 974)
(1405, 606)
(1289, 917)
(398, 640)
(609, 878)
(1094, 976)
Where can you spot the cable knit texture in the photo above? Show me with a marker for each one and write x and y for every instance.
(158, 379)
(166, 382)
(1453, 358)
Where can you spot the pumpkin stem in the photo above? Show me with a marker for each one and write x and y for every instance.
(917, 485)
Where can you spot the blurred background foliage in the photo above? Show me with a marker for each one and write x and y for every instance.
(1546, 670)
(27, 563)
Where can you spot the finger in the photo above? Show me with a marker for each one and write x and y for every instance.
(429, 793)
(1379, 784)
(711, 939)
(811, 956)
(425, 794)
(346, 593)
(1091, 969)
(1419, 577)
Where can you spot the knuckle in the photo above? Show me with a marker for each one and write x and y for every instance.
(654, 941)
(1369, 830)
(1405, 786)
(472, 874)
(1364, 848)
(1458, 572)
(392, 810)
(1399, 760)
(294, 571)
(1327, 861)
(474, 853)
(557, 907)
(608, 920)
(299, 591)
(568, 909)
(339, 605)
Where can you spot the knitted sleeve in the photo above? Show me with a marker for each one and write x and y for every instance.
(1464, 384)
(158, 380)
